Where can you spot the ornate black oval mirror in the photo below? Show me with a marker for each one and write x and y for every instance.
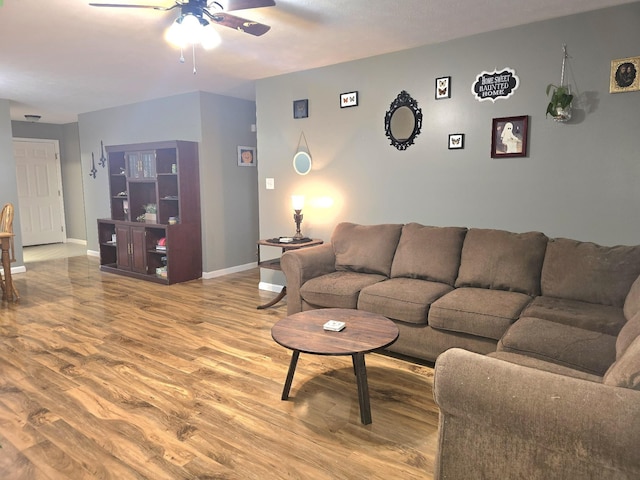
(403, 121)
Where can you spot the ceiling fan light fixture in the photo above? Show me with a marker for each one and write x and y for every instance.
(190, 29)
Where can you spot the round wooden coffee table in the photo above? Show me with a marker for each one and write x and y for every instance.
(364, 332)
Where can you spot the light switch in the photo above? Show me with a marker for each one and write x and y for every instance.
(271, 184)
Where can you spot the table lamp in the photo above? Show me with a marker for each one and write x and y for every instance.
(298, 203)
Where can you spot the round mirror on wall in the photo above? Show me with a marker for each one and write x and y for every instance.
(403, 121)
(302, 163)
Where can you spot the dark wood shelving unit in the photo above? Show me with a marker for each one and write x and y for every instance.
(165, 174)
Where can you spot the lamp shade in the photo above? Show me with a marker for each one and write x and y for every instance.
(297, 201)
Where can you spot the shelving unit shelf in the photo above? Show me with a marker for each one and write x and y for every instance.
(165, 174)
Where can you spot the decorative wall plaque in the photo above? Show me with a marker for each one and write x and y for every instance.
(495, 85)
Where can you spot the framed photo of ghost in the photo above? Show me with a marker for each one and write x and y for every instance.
(443, 88)
(509, 136)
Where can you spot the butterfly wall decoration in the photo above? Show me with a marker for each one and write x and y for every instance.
(456, 141)
(443, 88)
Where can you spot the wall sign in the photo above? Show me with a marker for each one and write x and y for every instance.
(495, 85)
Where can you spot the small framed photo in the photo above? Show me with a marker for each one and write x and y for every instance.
(443, 88)
(456, 141)
(624, 75)
(247, 156)
(349, 99)
(301, 108)
(509, 136)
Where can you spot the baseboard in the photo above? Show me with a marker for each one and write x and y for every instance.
(76, 240)
(93, 253)
(20, 269)
(270, 287)
(227, 271)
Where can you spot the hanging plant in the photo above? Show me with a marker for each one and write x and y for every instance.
(560, 104)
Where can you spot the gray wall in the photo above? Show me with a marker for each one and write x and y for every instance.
(8, 182)
(229, 193)
(71, 169)
(580, 179)
(219, 124)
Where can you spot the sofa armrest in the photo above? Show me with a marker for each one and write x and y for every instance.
(302, 265)
(502, 420)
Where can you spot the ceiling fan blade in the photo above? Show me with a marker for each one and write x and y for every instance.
(230, 5)
(128, 5)
(237, 23)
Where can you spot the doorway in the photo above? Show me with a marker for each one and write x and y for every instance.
(41, 204)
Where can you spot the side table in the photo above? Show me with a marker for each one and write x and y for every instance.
(274, 263)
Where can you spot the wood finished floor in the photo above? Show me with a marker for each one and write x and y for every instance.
(105, 377)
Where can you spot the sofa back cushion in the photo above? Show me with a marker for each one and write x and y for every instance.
(502, 260)
(365, 248)
(428, 253)
(588, 272)
(625, 372)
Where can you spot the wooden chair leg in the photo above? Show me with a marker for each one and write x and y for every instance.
(4, 292)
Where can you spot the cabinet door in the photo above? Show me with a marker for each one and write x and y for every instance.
(138, 250)
(123, 245)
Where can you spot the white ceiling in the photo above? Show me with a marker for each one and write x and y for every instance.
(60, 58)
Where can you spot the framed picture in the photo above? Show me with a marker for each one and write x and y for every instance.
(301, 108)
(349, 99)
(456, 141)
(443, 88)
(624, 75)
(509, 137)
(247, 156)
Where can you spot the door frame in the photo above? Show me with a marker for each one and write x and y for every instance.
(56, 146)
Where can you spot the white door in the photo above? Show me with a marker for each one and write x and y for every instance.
(39, 191)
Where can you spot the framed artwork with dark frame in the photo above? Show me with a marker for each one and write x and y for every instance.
(301, 108)
(509, 136)
(349, 99)
(247, 156)
(624, 75)
(443, 88)
(456, 141)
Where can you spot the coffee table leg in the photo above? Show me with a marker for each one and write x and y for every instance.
(292, 370)
(363, 387)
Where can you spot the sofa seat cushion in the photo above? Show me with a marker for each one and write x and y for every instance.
(365, 248)
(428, 253)
(477, 311)
(572, 347)
(404, 299)
(590, 273)
(625, 372)
(590, 316)
(502, 260)
(337, 289)
(538, 364)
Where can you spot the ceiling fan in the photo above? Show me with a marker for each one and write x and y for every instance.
(201, 9)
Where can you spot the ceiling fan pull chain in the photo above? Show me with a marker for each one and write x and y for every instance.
(193, 48)
(181, 55)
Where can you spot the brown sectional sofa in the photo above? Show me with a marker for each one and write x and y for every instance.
(537, 339)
